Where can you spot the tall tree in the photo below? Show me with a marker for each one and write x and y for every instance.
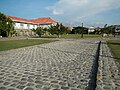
(58, 29)
(79, 30)
(113, 31)
(108, 30)
(39, 30)
(6, 26)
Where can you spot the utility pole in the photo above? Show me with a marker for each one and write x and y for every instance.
(82, 31)
(114, 29)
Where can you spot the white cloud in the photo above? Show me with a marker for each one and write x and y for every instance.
(78, 9)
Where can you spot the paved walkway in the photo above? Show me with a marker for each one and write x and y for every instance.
(108, 74)
(61, 65)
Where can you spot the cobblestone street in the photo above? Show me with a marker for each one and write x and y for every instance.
(61, 65)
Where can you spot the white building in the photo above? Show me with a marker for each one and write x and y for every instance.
(23, 26)
(91, 30)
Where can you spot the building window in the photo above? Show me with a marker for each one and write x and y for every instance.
(28, 25)
(21, 24)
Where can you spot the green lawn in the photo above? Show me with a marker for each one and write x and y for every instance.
(73, 36)
(115, 48)
(13, 44)
(79, 36)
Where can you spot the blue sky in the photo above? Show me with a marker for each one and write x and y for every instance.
(69, 12)
(26, 8)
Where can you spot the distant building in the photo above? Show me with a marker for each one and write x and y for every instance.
(44, 22)
(23, 26)
(116, 27)
(91, 30)
(69, 27)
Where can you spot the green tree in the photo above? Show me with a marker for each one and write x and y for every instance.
(6, 26)
(45, 31)
(113, 31)
(107, 30)
(58, 29)
(79, 30)
(39, 30)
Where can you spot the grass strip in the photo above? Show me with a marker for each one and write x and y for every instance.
(73, 36)
(114, 45)
(13, 44)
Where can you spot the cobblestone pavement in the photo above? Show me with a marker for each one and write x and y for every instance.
(58, 65)
(108, 74)
(61, 65)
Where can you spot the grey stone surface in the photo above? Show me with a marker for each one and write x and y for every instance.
(61, 65)
(108, 74)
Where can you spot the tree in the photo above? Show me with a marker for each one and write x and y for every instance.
(79, 30)
(3, 23)
(45, 31)
(39, 30)
(108, 30)
(98, 30)
(113, 31)
(58, 29)
(6, 26)
(10, 27)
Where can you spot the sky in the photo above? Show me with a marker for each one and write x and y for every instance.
(69, 12)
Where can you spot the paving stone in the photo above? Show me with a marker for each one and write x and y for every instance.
(30, 84)
(22, 83)
(6, 83)
(74, 89)
(11, 89)
(64, 88)
(56, 89)
(16, 81)
(23, 79)
(107, 87)
(20, 87)
(65, 65)
(107, 70)
(46, 88)
(63, 83)
(14, 84)
(39, 82)
(117, 88)
(39, 86)
(30, 80)
(1, 81)
(28, 88)
(3, 88)
(55, 86)
(54, 81)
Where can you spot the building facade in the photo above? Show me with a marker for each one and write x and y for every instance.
(91, 30)
(116, 28)
(24, 27)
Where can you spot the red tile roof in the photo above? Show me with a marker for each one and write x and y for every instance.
(19, 19)
(34, 21)
(43, 21)
(69, 27)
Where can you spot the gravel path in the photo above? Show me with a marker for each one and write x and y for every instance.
(61, 65)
